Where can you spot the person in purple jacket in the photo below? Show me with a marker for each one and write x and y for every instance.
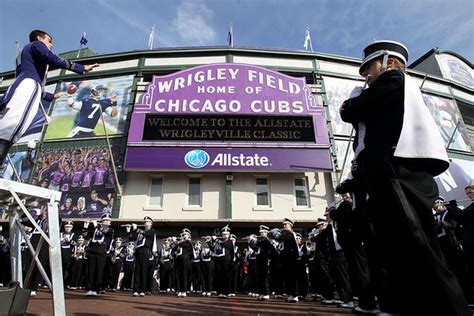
(67, 179)
(57, 177)
(77, 175)
(19, 105)
(101, 173)
(89, 176)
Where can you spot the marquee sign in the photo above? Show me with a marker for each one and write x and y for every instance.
(225, 106)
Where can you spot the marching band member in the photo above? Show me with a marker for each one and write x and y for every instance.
(348, 225)
(337, 262)
(101, 236)
(223, 253)
(263, 246)
(465, 218)
(150, 274)
(118, 254)
(236, 266)
(289, 255)
(402, 155)
(301, 275)
(446, 228)
(5, 275)
(20, 103)
(312, 268)
(128, 267)
(196, 276)
(67, 240)
(166, 267)
(78, 256)
(183, 262)
(145, 241)
(251, 259)
(275, 271)
(325, 285)
(207, 268)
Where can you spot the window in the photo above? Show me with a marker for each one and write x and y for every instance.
(301, 192)
(263, 194)
(194, 192)
(156, 191)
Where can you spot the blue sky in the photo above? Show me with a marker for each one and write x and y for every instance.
(340, 27)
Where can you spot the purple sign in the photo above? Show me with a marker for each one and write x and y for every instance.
(228, 106)
(225, 159)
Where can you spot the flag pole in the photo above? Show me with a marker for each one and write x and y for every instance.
(151, 38)
(230, 35)
(79, 51)
(109, 147)
(83, 41)
(349, 143)
(308, 43)
(452, 135)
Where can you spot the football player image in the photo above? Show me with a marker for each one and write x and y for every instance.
(90, 110)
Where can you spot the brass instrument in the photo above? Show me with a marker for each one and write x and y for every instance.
(209, 238)
(80, 250)
(114, 256)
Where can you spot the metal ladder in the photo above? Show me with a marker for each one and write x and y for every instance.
(17, 198)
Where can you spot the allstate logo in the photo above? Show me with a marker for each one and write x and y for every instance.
(197, 158)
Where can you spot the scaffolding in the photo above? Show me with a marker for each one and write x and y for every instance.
(17, 198)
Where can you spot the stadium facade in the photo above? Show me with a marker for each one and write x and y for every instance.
(205, 136)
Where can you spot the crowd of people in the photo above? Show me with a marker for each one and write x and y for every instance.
(331, 264)
(75, 169)
(85, 177)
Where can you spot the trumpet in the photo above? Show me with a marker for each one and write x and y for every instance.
(458, 201)
(249, 237)
(210, 237)
(115, 255)
(174, 240)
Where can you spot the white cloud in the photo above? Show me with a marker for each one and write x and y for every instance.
(192, 23)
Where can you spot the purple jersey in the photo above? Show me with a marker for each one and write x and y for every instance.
(66, 183)
(88, 178)
(77, 177)
(35, 56)
(100, 175)
(57, 176)
(110, 181)
(95, 206)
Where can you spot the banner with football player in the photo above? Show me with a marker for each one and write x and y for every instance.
(79, 113)
(84, 175)
(449, 120)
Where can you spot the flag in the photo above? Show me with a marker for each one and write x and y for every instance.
(151, 37)
(230, 36)
(84, 39)
(307, 40)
